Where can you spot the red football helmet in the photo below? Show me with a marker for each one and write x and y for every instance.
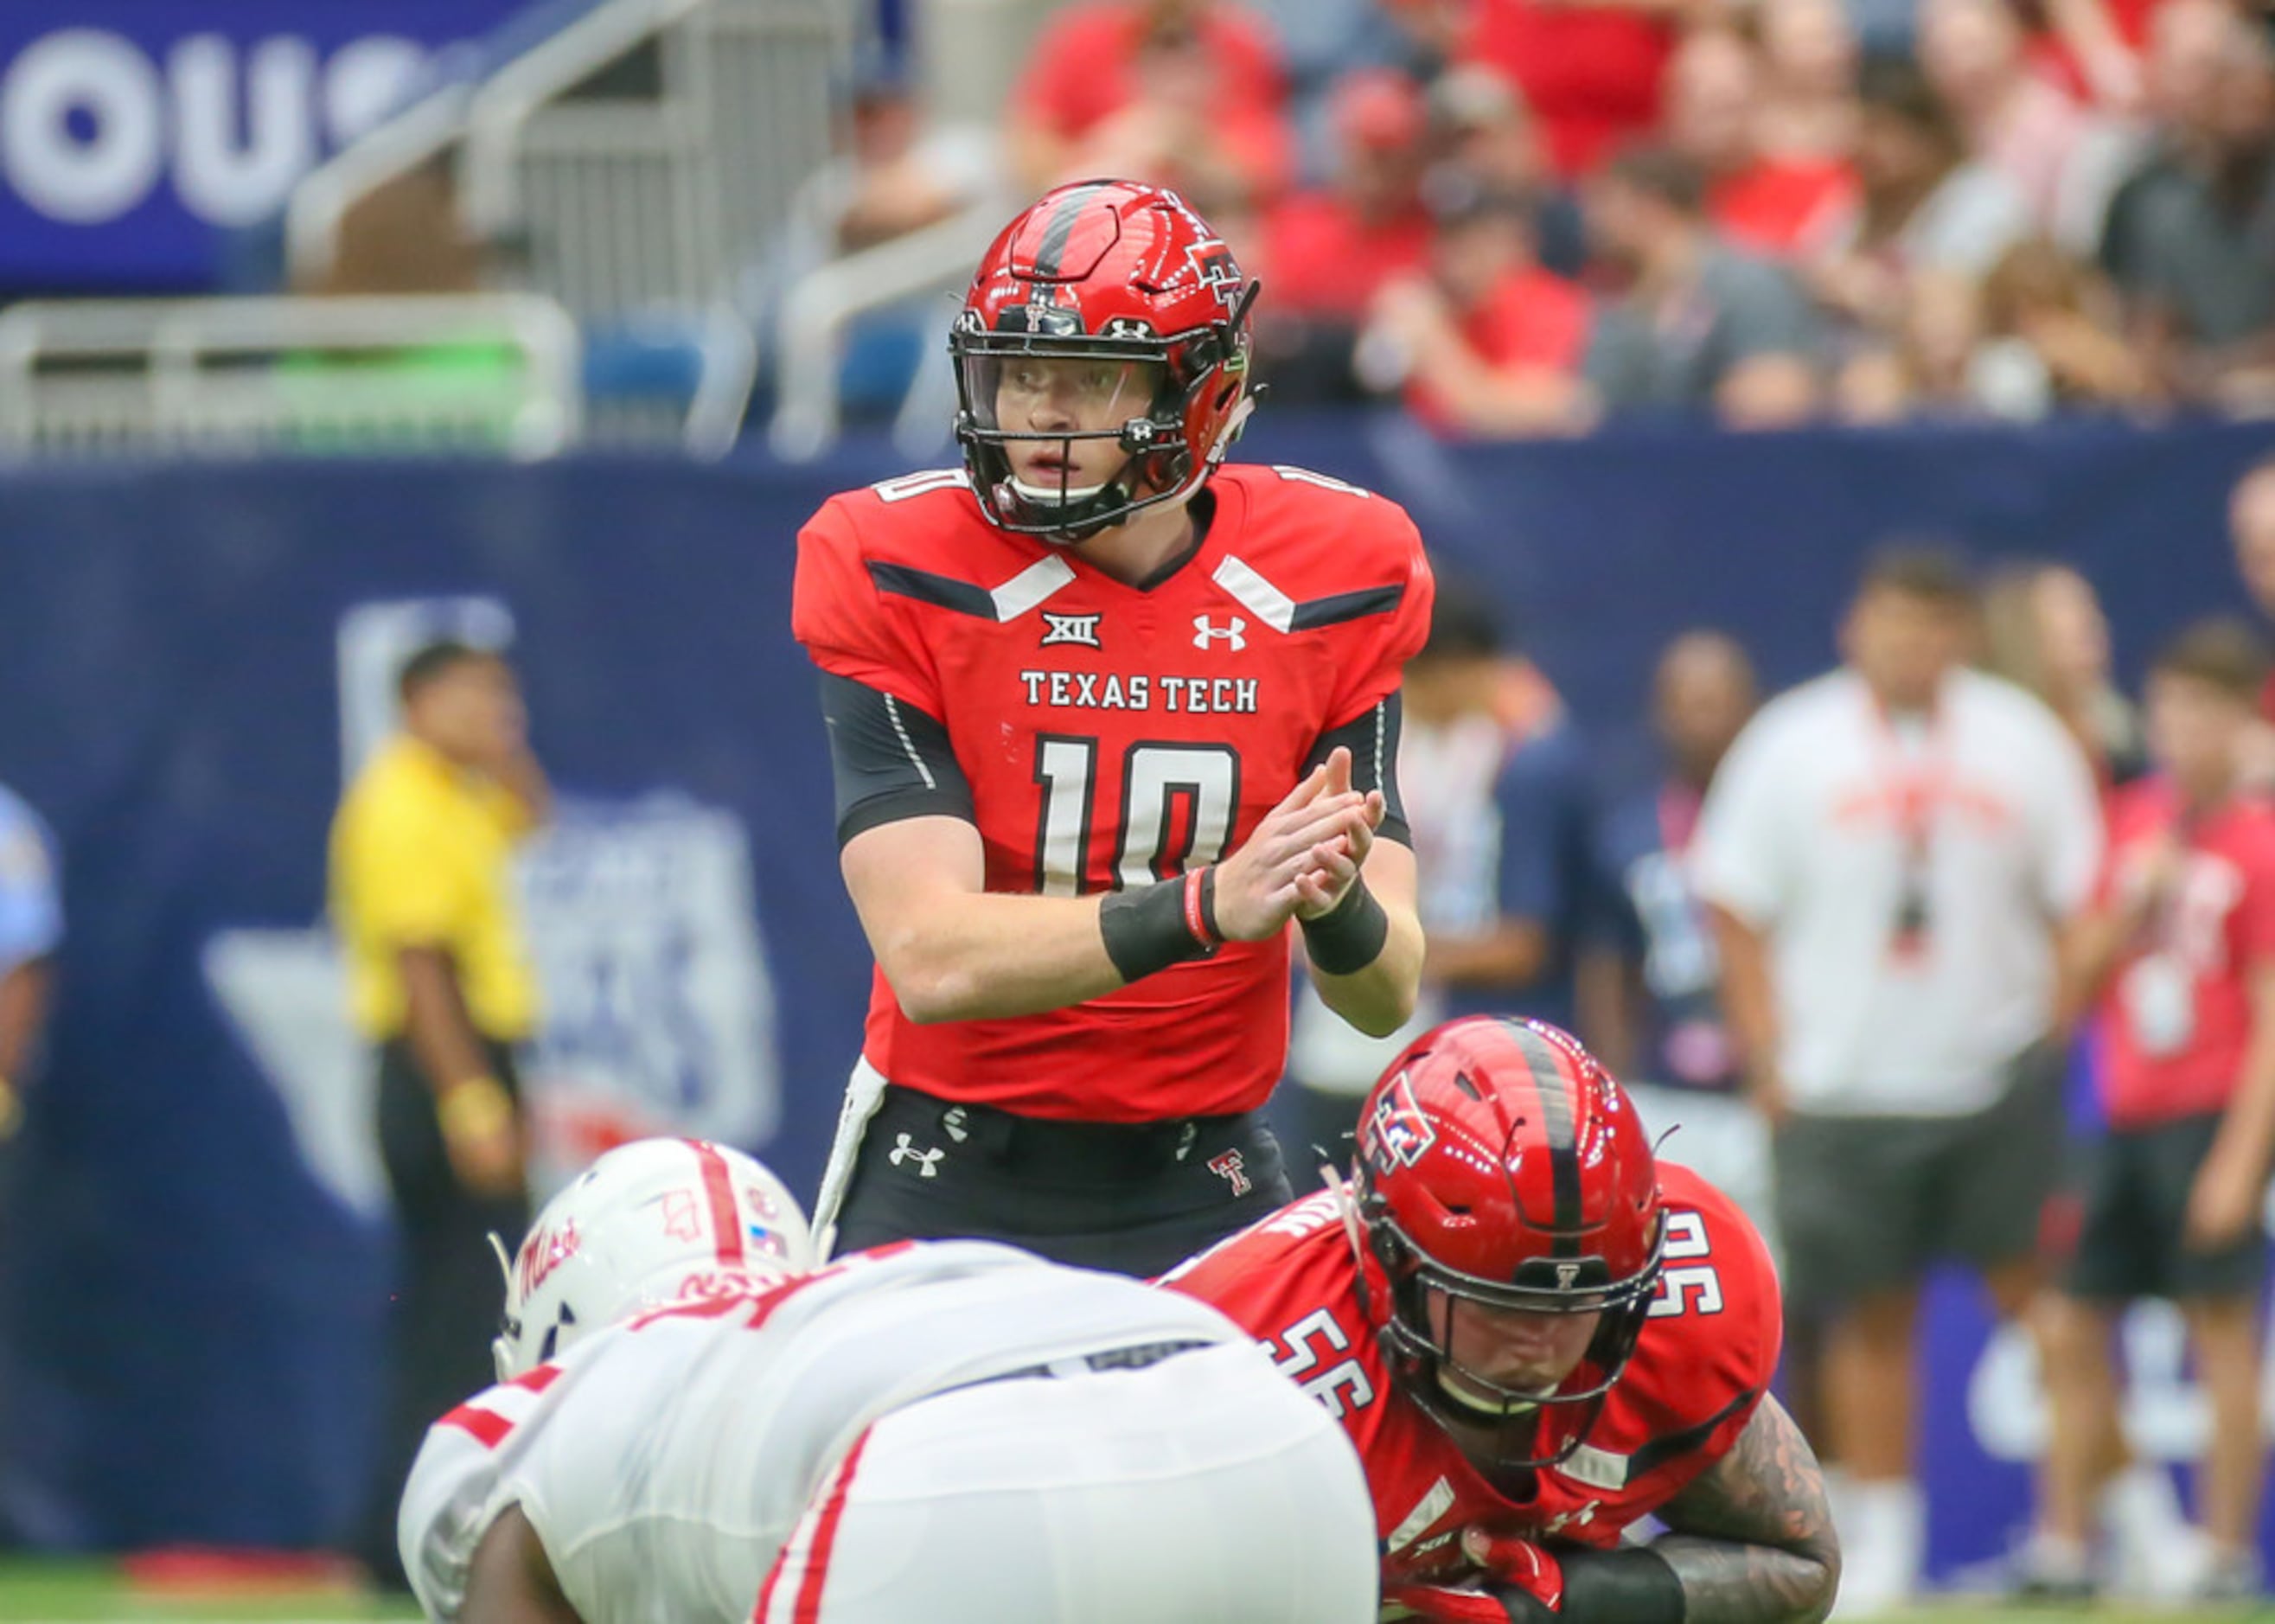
(1113, 271)
(1499, 1163)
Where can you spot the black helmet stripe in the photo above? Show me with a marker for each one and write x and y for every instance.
(1548, 1081)
(1062, 228)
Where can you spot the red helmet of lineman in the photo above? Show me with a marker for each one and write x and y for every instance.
(1507, 1189)
(1108, 318)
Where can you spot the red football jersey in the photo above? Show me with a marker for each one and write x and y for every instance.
(1114, 736)
(1702, 1364)
(2162, 1063)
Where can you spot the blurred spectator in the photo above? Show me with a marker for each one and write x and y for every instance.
(1323, 43)
(2190, 239)
(1486, 136)
(2100, 43)
(1807, 110)
(2178, 953)
(1924, 205)
(439, 982)
(1326, 251)
(1589, 69)
(2015, 120)
(1647, 988)
(1494, 774)
(2039, 335)
(894, 174)
(1703, 327)
(1181, 93)
(1925, 368)
(31, 930)
(2043, 630)
(1766, 202)
(404, 236)
(1887, 853)
(2051, 339)
(1487, 343)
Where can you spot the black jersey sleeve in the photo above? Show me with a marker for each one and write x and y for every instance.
(1372, 738)
(889, 760)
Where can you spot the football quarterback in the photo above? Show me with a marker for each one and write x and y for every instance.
(1106, 712)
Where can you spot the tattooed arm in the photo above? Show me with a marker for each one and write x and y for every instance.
(1752, 1541)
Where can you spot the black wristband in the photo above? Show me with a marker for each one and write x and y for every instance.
(1634, 1584)
(1145, 930)
(1349, 936)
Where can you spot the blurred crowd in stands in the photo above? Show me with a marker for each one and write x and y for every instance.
(1525, 217)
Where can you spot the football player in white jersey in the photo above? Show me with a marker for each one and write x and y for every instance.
(693, 1425)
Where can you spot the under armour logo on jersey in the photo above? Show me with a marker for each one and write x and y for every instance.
(1228, 1168)
(1081, 628)
(927, 1161)
(1206, 632)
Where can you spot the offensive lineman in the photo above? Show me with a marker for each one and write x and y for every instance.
(689, 1428)
(1537, 1335)
(1104, 716)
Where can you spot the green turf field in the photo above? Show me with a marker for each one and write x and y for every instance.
(84, 1592)
(71, 1592)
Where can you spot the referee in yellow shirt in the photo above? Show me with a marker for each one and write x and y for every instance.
(441, 984)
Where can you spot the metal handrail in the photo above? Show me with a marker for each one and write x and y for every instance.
(195, 390)
(826, 300)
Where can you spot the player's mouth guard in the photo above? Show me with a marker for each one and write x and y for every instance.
(1485, 1409)
(1055, 496)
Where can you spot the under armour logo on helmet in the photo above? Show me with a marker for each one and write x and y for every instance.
(1206, 632)
(927, 1161)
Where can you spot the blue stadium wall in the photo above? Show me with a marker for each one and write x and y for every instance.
(193, 1312)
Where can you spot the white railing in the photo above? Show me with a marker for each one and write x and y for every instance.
(660, 193)
(643, 155)
(810, 332)
(246, 376)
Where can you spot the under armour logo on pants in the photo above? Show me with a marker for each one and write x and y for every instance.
(927, 1161)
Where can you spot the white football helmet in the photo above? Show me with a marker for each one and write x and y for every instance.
(647, 1224)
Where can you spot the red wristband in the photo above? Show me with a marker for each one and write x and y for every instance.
(1196, 910)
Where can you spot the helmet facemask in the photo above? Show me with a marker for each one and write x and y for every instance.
(1134, 389)
(1529, 1429)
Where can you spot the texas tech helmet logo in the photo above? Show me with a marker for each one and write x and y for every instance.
(1398, 1132)
(1218, 272)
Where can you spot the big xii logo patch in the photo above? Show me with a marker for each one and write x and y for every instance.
(1077, 629)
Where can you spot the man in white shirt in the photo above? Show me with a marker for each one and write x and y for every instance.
(1889, 853)
(690, 1425)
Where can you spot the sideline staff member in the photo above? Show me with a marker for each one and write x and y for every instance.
(442, 986)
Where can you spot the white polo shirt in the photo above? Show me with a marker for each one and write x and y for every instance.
(1804, 837)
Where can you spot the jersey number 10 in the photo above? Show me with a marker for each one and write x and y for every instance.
(1178, 805)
